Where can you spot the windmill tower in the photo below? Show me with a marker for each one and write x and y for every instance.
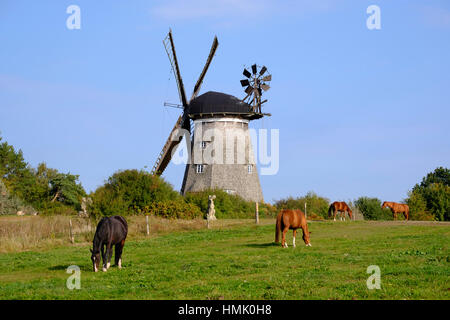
(216, 125)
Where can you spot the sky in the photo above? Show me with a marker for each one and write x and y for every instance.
(360, 112)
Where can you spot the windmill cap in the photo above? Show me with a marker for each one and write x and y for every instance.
(218, 103)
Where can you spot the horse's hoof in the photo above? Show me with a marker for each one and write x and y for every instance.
(104, 269)
(108, 265)
(309, 245)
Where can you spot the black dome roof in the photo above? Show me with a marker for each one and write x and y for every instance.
(219, 103)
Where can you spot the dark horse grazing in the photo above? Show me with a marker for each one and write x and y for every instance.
(291, 219)
(342, 207)
(397, 208)
(110, 231)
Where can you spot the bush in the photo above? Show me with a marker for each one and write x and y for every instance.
(266, 210)
(315, 205)
(130, 192)
(9, 204)
(371, 209)
(229, 205)
(173, 209)
(56, 208)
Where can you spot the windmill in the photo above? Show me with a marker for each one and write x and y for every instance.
(223, 114)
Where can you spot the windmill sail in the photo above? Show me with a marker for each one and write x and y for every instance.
(183, 121)
(170, 49)
(166, 153)
(205, 68)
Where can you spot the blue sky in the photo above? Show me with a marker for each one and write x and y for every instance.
(360, 112)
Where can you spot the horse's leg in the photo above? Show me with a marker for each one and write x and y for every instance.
(293, 239)
(104, 256)
(109, 254)
(118, 254)
(283, 239)
(334, 214)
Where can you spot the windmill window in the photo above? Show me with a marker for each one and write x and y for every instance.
(199, 168)
(203, 144)
(250, 168)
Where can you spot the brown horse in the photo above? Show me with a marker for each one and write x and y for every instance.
(291, 219)
(397, 208)
(341, 207)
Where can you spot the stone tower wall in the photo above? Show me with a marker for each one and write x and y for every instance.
(225, 154)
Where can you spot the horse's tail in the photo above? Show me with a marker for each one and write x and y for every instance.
(278, 227)
(330, 210)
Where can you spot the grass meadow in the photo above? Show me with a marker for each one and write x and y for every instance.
(234, 259)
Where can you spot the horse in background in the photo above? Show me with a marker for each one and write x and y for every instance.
(341, 207)
(110, 231)
(291, 219)
(397, 208)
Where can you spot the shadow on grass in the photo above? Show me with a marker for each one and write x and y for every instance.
(263, 245)
(64, 267)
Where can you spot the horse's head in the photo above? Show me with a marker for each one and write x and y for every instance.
(306, 238)
(95, 257)
(350, 213)
(385, 204)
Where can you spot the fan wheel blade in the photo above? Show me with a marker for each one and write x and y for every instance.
(247, 73)
(265, 87)
(245, 82)
(267, 78)
(254, 69)
(263, 69)
(248, 90)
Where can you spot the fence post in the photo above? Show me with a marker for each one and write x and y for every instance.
(148, 227)
(72, 240)
(305, 210)
(257, 213)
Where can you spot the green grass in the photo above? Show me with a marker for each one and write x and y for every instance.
(244, 263)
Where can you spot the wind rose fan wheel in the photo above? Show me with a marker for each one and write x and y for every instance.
(256, 82)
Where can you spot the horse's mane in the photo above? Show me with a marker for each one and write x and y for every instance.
(100, 224)
(96, 243)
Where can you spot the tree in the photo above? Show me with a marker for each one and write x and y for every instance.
(440, 175)
(432, 195)
(65, 189)
(371, 209)
(17, 175)
(38, 187)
